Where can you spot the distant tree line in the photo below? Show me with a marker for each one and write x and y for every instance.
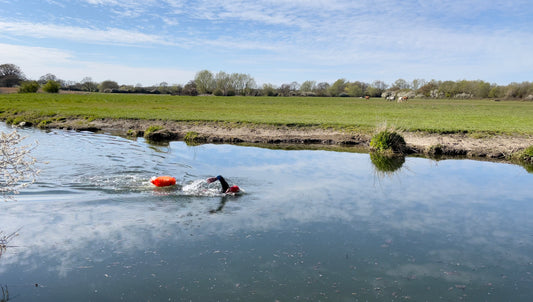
(206, 82)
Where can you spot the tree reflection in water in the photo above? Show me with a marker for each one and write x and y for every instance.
(17, 166)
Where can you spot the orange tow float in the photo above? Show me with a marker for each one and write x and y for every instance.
(163, 181)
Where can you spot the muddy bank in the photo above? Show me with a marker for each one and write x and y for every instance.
(462, 144)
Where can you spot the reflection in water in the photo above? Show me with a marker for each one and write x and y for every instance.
(387, 163)
(312, 226)
(5, 293)
(528, 167)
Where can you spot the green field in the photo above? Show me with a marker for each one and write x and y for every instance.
(440, 116)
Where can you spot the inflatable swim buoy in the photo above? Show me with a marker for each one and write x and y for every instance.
(163, 181)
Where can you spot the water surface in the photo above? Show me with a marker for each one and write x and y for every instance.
(311, 225)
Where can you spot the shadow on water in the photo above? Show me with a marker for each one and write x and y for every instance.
(222, 203)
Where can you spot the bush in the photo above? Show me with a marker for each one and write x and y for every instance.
(51, 87)
(152, 129)
(29, 87)
(527, 155)
(388, 141)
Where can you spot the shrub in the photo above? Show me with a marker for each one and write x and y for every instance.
(190, 136)
(193, 138)
(388, 141)
(29, 87)
(527, 155)
(51, 87)
(152, 129)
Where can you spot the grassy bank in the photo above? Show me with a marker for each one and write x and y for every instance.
(439, 116)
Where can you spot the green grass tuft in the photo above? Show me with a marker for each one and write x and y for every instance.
(387, 140)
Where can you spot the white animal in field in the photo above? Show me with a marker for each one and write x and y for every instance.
(390, 98)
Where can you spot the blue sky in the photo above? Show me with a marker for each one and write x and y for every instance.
(275, 41)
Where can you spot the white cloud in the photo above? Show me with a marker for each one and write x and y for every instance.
(81, 34)
(37, 61)
(356, 40)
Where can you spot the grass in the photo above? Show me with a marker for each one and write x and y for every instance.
(436, 116)
(388, 140)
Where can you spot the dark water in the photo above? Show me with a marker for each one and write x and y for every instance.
(311, 226)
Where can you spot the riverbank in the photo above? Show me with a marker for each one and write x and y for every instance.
(474, 128)
(497, 146)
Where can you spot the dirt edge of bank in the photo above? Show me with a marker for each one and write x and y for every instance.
(495, 146)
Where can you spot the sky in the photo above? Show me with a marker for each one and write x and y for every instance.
(275, 41)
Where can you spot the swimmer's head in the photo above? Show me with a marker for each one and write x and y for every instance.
(233, 189)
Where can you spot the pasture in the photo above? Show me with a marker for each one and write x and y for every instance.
(351, 114)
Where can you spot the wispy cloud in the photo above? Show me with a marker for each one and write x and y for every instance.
(429, 39)
(37, 61)
(82, 34)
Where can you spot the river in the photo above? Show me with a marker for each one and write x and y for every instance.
(310, 225)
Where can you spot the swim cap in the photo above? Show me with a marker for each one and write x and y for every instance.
(234, 189)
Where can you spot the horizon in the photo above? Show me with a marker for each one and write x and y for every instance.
(148, 42)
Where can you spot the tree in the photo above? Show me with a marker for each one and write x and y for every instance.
(322, 89)
(51, 87)
(284, 89)
(108, 86)
(417, 83)
(47, 77)
(29, 87)
(448, 88)
(190, 89)
(205, 82)
(427, 88)
(373, 91)
(308, 86)
(268, 90)
(400, 84)
(376, 89)
(176, 89)
(250, 85)
(87, 84)
(223, 82)
(337, 88)
(354, 89)
(10, 75)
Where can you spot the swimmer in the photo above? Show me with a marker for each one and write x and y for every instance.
(225, 187)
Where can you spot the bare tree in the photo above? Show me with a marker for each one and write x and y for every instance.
(48, 77)
(10, 75)
(17, 166)
(87, 84)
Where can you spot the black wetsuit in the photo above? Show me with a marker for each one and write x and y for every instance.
(224, 183)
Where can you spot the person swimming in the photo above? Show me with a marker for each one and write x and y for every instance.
(225, 186)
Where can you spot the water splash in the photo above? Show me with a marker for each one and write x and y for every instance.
(118, 183)
(200, 187)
